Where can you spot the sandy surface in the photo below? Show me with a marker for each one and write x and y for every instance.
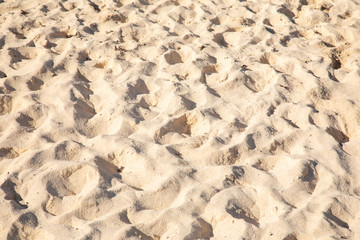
(180, 119)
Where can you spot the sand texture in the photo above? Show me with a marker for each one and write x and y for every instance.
(180, 119)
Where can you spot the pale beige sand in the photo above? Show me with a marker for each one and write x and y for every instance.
(180, 119)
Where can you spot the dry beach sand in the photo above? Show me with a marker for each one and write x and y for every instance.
(180, 119)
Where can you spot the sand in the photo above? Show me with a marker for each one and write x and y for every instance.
(180, 119)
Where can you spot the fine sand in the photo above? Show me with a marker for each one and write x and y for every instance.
(180, 119)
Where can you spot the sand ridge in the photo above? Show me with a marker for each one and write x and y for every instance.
(179, 119)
